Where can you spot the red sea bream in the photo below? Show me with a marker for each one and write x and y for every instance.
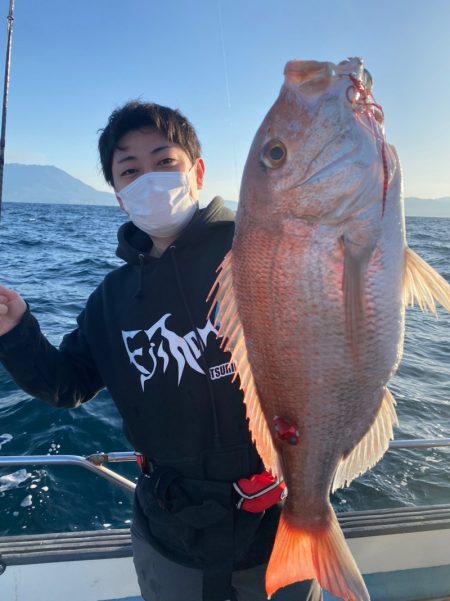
(311, 304)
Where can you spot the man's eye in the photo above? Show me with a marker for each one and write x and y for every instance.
(167, 161)
(130, 171)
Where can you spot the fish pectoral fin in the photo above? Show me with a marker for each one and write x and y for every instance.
(356, 259)
(371, 448)
(423, 285)
(229, 326)
(320, 553)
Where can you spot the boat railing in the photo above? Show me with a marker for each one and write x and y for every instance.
(95, 462)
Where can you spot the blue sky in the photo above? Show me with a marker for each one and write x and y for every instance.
(221, 62)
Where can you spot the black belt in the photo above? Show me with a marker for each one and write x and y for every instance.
(214, 514)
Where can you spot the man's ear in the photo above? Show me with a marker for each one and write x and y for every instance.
(119, 200)
(200, 172)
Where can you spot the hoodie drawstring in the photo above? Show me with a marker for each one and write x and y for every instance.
(200, 346)
(138, 293)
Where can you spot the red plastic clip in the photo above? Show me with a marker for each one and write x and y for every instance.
(140, 460)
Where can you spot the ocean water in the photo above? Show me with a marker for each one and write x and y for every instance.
(55, 255)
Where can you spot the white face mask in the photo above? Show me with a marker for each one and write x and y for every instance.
(159, 202)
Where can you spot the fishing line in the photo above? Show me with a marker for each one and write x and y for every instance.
(228, 94)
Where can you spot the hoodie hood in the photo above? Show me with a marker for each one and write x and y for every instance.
(135, 245)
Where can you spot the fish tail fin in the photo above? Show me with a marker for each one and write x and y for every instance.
(319, 553)
(423, 285)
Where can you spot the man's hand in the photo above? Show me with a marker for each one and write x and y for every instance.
(12, 308)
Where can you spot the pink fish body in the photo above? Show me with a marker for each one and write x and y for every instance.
(311, 305)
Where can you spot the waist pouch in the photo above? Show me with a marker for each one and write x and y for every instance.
(259, 492)
(197, 523)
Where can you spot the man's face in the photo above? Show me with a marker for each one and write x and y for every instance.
(143, 150)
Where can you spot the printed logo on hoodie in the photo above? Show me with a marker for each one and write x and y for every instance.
(158, 345)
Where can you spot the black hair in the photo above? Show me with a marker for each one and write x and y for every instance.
(136, 115)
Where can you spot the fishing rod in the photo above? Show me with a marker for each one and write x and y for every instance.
(10, 20)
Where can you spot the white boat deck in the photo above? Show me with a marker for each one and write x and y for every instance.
(404, 555)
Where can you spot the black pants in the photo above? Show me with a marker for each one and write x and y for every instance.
(163, 580)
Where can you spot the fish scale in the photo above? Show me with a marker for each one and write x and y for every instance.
(311, 306)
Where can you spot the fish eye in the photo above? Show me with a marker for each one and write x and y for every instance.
(273, 154)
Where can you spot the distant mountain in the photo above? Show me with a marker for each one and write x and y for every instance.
(231, 204)
(44, 183)
(427, 207)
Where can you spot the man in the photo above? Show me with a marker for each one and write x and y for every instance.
(146, 337)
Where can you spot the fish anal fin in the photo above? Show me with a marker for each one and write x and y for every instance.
(319, 553)
(371, 448)
(423, 285)
(230, 328)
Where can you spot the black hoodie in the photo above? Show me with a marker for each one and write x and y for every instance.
(146, 337)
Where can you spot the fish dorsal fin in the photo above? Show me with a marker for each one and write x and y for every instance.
(230, 328)
(371, 448)
(423, 285)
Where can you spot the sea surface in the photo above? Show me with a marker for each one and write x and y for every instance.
(55, 255)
